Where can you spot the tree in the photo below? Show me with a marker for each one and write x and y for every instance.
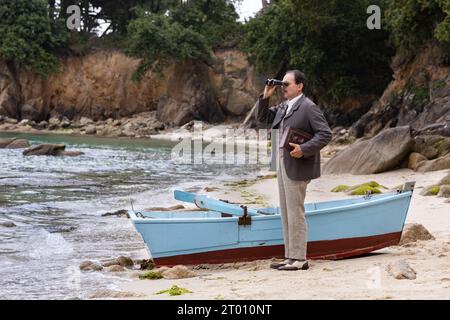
(328, 40)
(412, 22)
(29, 38)
(216, 20)
(156, 40)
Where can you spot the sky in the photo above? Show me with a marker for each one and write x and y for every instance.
(249, 8)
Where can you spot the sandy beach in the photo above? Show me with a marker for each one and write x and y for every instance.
(364, 277)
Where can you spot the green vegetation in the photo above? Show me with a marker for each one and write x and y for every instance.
(328, 40)
(433, 191)
(157, 40)
(438, 84)
(29, 38)
(412, 22)
(340, 188)
(175, 291)
(151, 275)
(421, 94)
(360, 189)
(364, 189)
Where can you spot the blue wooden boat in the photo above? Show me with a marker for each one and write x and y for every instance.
(222, 232)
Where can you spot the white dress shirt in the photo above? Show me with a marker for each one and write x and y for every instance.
(292, 102)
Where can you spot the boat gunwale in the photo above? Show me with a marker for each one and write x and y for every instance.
(387, 198)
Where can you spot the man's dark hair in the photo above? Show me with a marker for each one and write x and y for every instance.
(299, 77)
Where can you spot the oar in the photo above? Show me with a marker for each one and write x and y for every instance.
(206, 202)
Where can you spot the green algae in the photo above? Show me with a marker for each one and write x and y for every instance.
(175, 291)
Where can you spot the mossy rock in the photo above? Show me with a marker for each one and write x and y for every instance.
(370, 184)
(175, 291)
(340, 188)
(443, 146)
(431, 191)
(151, 275)
(363, 190)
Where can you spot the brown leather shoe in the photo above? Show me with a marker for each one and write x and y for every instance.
(295, 265)
(276, 265)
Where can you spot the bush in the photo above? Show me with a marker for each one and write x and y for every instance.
(157, 39)
(328, 40)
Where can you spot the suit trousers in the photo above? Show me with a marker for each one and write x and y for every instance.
(292, 197)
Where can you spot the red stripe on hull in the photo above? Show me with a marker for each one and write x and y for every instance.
(328, 249)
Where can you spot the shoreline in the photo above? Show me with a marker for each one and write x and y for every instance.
(363, 277)
(213, 133)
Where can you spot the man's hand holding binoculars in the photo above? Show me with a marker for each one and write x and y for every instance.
(271, 86)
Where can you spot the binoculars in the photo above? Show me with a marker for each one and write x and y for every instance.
(274, 82)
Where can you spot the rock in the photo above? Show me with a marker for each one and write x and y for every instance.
(42, 125)
(119, 213)
(162, 269)
(413, 232)
(384, 152)
(13, 143)
(445, 180)
(65, 122)
(85, 121)
(430, 152)
(125, 262)
(91, 129)
(11, 120)
(430, 191)
(45, 150)
(434, 165)
(110, 263)
(90, 266)
(24, 122)
(116, 268)
(401, 270)
(18, 144)
(444, 191)
(178, 272)
(53, 121)
(415, 159)
(7, 224)
(5, 142)
(147, 264)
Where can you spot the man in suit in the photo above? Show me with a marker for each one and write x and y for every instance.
(298, 166)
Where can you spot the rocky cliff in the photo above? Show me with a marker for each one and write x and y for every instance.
(99, 86)
(418, 96)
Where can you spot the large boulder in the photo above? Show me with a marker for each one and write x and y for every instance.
(14, 143)
(434, 165)
(415, 159)
(383, 152)
(45, 150)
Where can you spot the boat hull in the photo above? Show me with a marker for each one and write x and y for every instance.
(329, 250)
(336, 230)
